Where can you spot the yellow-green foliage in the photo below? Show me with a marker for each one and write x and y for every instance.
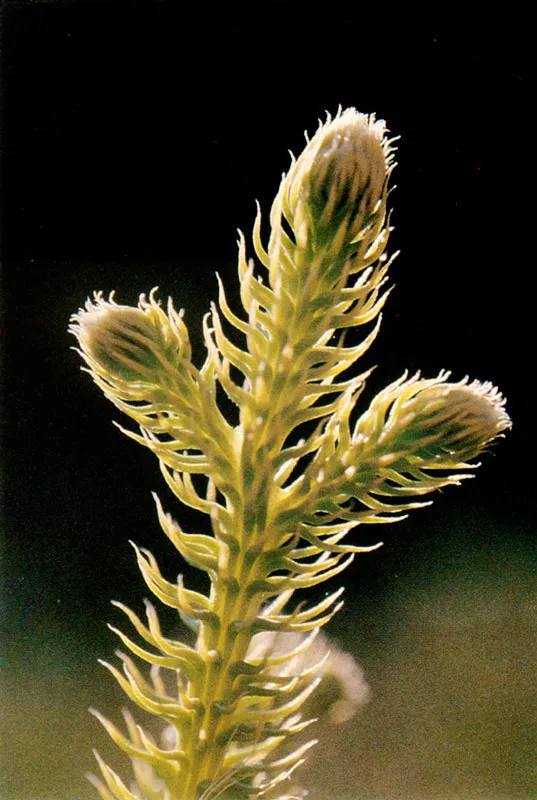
(280, 506)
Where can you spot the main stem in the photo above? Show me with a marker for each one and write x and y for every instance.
(227, 643)
(261, 433)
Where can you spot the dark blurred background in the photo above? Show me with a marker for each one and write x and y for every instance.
(136, 137)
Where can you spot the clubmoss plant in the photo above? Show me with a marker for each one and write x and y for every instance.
(283, 487)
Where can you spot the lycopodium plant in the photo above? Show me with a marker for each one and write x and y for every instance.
(283, 484)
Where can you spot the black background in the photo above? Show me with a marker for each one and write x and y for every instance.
(136, 138)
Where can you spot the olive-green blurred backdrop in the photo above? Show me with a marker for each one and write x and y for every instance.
(136, 138)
